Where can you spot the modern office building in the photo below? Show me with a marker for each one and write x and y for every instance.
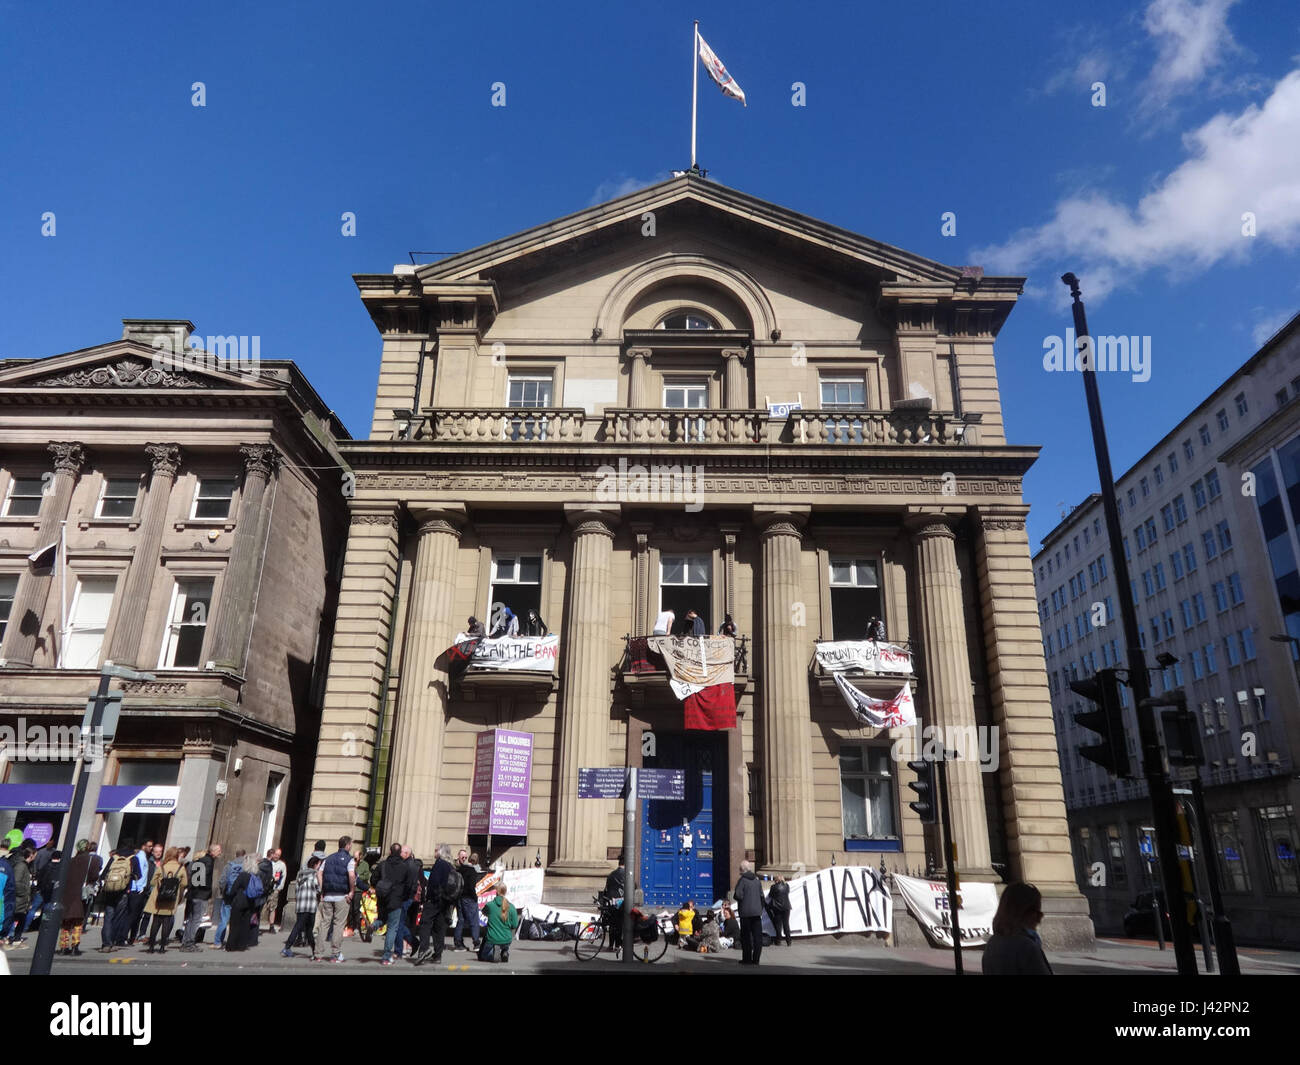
(200, 501)
(1209, 520)
(688, 399)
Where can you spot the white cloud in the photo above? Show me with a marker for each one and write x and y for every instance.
(1192, 218)
(1192, 41)
(1269, 324)
(619, 186)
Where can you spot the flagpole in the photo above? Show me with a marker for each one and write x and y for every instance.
(695, 84)
(63, 590)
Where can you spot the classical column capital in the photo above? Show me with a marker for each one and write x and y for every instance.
(260, 458)
(68, 457)
(164, 458)
(926, 522)
(733, 353)
(1002, 518)
(639, 353)
(781, 521)
(587, 520)
(449, 519)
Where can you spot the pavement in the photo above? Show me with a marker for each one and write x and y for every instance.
(841, 955)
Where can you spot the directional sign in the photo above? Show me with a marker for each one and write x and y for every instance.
(661, 784)
(602, 783)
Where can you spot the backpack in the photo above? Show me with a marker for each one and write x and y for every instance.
(169, 887)
(118, 877)
(233, 869)
(255, 888)
(452, 888)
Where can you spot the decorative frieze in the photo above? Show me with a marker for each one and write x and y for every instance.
(125, 373)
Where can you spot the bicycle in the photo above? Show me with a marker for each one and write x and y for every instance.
(606, 930)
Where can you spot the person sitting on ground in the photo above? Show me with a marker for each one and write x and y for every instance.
(502, 920)
(730, 926)
(684, 922)
(708, 935)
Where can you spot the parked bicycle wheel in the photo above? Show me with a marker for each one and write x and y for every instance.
(590, 941)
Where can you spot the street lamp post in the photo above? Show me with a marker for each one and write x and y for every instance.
(52, 917)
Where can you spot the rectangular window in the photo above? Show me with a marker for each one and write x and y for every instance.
(1234, 589)
(1115, 846)
(23, 499)
(1159, 474)
(91, 604)
(516, 586)
(1159, 573)
(1280, 396)
(1220, 596)
(1180, 508)
(1211, 549)
(1167, 516)
(1240, 400)
(1189, 557)
(1226, 828)
(1225, 536)
(1101, 567)
(844, 394)
(1188, 450)
(117, 497)
(1132, 497)
(8, 589)
(1151, 530)
(1186, 608)
(1211, 662)
(693, 394)
(855, 597)
(1212, 484)
(1128, 554)
(530, 392)
(187, 624)
(867, 793)
(1279, 841)
(213, 497)
(1248, 644)
(1092, 574)
(1222, 418)
(1146, 487)
(1205, 435)
(270, 809)
(1198, 606)
(1230, 648)
(1173, 462)
(1176, 564)
(1167, 616)
(1140, 534)
(1198, 670)
(1148, 586)
(1198, 494)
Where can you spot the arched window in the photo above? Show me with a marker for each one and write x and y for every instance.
(687, 319)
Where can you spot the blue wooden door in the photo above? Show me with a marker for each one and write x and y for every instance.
(679, 845)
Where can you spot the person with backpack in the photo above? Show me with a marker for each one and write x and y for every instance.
(136, 894)
(114, 885)
(306, 897)
(338, 882)
(245, 904)
(394, 889)
(442, 896)
(169, 880)
(503, 919)
(229, 875)
(198, 894)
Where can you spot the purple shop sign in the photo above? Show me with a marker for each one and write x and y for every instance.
(39, 832)
(503, 775)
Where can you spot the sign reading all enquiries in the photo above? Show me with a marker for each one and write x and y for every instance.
(844, 898)
(503, 775)
(928, 902)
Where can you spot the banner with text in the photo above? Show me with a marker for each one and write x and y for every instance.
(845, 898)
(866, 655)
(927, 900)
(523, 887)
(530, 654)
(499, 789)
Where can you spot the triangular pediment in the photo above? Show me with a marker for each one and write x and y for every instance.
(701, 198)
(129, 366)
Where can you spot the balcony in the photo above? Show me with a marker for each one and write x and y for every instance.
(879, 669)
(643, 671)
(901, 427)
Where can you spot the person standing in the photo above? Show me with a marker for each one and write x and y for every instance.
(503, 919)
(696, 624)
(166, 892)
(39, 860)
(728, 627)
(15, 918)
(115, 886)
(201, 873)
(433, 917)
(91, 886)
(778, 909)
(8, 894)
(306, 900)
(338, 882)
(74, 908)
(467, 904)
(229, 875)
(394, 889)
(243, 909)
(749, 903)
(278, 872)
(1015, 948)
(153, 855)
(355, 919)
(664, 623)
(535, 626)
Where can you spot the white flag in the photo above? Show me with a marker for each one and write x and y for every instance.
(898, 712)
(719, 73)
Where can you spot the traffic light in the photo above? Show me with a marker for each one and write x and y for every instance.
(927, 803)
(1107, 721)
(1180, 729)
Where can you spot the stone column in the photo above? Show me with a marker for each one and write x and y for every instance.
(234, 615)
(129, 630)
(735, 381)
(26, 617)
(642, 616)
(638, 379)
(1033, 800)
(790, 832)
(582, 832)
(412, 815)
(947, 683)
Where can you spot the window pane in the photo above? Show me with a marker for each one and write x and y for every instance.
(851, 760)
(530, 570)
(674, 570)
(699, 570)
(841, 572)
(89, 622)
(214, 498)
(853, 796)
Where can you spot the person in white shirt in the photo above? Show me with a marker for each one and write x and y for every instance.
(664, 623)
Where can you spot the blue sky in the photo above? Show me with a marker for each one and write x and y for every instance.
(229, 214)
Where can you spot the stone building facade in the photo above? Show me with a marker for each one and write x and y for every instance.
(582, 419)
(1209, 517)
(204, 522)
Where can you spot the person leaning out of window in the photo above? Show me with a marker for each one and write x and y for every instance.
(1015, 949)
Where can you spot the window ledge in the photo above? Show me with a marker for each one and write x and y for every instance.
(131, 524)
(884, 845)
(204, 523)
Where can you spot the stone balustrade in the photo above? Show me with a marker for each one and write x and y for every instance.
(888, 428)
(511, 425)
(663, 426)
